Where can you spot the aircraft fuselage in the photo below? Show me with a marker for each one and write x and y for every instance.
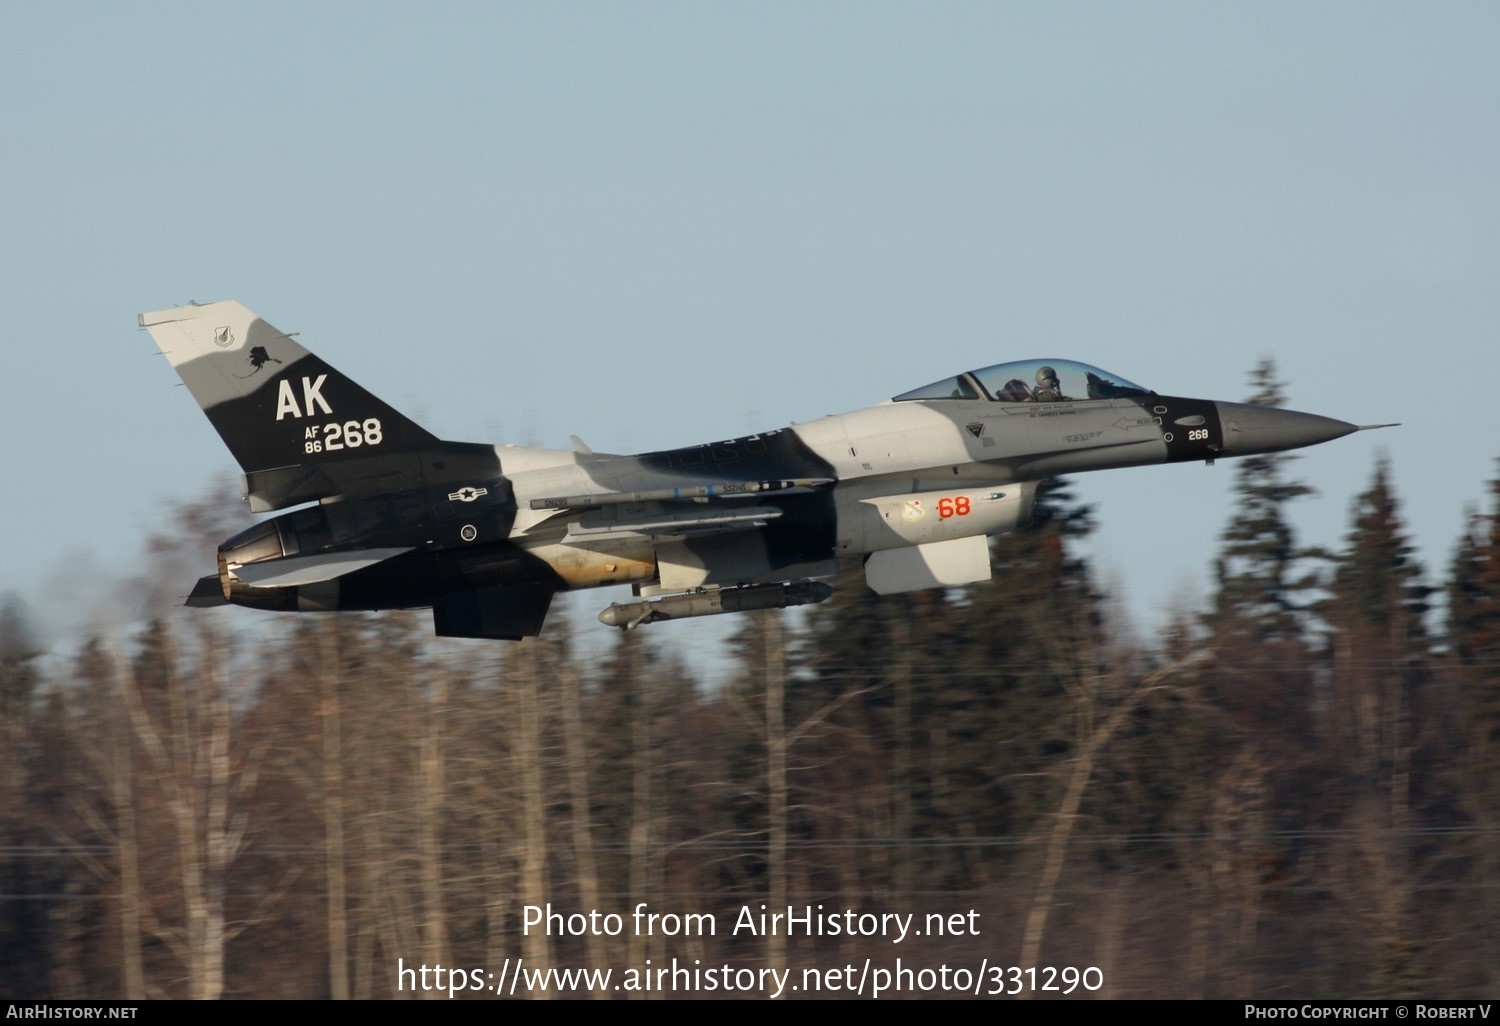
(485, 535)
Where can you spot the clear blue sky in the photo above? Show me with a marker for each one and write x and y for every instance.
(655, 224)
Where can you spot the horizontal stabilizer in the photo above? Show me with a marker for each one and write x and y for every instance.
(207, 592)
(294, 571)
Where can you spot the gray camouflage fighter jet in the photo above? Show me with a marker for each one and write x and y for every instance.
(486, 535)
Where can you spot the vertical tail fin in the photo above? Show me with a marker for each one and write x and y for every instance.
(276, 405)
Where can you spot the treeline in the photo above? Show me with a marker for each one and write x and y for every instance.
(1296, 794)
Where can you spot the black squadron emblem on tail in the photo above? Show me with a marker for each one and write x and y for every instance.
(258, 360)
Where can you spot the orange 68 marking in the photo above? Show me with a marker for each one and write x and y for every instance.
(955, 507)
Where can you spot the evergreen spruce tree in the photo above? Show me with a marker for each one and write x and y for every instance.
(955, 698)
(1473, 632)
(1262, 589)
(1020, 643)
(1378, 583)
(22, 914)
(1473, 636)
(1253, 787)
(1380, 782)
(1261, 623)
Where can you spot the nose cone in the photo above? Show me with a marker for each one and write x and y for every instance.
(1257, 429)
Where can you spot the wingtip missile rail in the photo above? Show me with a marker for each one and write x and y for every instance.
(725, 490)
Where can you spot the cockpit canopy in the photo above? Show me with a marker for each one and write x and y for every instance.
(1030, 381)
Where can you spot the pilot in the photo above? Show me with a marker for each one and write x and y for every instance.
(1048, 389)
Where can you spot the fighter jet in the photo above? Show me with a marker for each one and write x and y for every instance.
(486, 535)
